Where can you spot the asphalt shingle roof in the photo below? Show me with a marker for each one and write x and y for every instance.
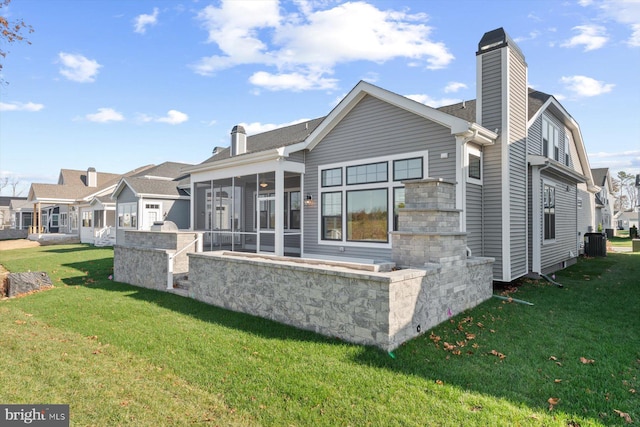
(275, 138)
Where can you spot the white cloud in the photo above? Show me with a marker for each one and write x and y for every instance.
(432, 102)
(586, 86)
(454, 87)
(634, 40)
(78, 68)
(141, 22)
(20, 106)
(304, 47)
(105, 115)
(173, 117)
(291, 81)
(592, 37)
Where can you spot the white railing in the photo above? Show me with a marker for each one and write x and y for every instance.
(171, 257)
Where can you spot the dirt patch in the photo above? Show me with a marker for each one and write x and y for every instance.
(7, 245)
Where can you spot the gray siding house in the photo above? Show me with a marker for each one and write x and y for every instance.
(332, 187)
(159, 193)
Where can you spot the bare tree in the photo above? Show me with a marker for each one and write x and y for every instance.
(628, 196)
(12, 182)
(11, 31)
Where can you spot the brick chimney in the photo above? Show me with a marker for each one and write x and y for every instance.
(238, 140)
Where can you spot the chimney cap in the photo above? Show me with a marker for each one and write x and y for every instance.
(496, 39)
(238, 129)
(91, 169)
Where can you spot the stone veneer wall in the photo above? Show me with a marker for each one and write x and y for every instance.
(142, 259)
(328, 299)
(11, 234)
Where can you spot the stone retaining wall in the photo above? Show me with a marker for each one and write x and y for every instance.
(11, 234)
(142, 259)
(372, 308)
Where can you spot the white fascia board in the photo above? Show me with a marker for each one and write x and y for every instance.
(241, 160)
(578, 141)
(53, 201)
(116, 192)
(163, 196)
(557, 167)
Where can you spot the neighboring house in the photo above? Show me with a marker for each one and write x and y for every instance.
(22, 212)
(7, 219)
(331, 187)
(160, 193)
(604, 199)
(78, 205)
(627, 219)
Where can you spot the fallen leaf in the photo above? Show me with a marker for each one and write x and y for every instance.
(557, 381)
(553, 401)
(624, 415)
(20, 322)
(480, 325)
(470, 336)
(632, 390)
(553, 358)
(498, 354)
(586, 361)
(439, 382)
(448, 346)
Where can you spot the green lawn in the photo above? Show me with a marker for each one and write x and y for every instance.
(121, 355)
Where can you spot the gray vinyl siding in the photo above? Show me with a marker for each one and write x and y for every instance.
(125, 196)
(373, 128)
(474, 218)
(517, 164)
(564, 245)
(175, 210)
(491, 100)
(533, 198)
(585, 213)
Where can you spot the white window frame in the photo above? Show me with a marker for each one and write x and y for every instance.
(551, 134)
(121, 212)
(64, 219)
(55, 220)
(390, 184)
(555, 212)
(474, 151)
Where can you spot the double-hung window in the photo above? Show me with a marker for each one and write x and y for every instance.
(359, 202)
(550, 140)
(549, 212)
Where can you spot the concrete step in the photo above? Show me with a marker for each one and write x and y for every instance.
(182, 282)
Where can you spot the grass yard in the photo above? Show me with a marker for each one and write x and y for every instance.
(121, 355)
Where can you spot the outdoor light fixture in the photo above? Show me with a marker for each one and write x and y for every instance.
(308, 200)
(264, 184)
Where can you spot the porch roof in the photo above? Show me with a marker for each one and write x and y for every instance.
(556, 167)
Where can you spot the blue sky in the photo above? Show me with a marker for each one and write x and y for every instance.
(116, 84)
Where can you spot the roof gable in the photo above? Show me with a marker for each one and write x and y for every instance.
(456, 124)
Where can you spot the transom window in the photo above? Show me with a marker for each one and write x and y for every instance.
(332, 177)
(407, 169)
(364, 174)
(364, 208)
